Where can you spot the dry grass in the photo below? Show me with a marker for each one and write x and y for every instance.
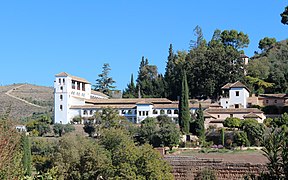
(28, 92)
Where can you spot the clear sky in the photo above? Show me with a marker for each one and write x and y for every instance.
(39, 39)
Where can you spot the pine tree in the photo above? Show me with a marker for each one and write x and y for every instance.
(26, 160)
(105, 83)
(184, 113)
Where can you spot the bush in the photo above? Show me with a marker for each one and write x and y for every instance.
(205, 174)
(232, 122)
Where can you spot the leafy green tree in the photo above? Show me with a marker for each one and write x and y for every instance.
(284, 16)
(258, 68)
(232, 122)
(240, 138)
(254, 131)
(184, 112)
(105, 83)
(148, 132)
(26, 159)
(266, 43)
(58, 129)
(169, 135)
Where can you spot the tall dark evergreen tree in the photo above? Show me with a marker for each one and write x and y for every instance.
(200, 129)
(26, 160)
(130, 91)
(184, 113)
(105, 83)
(149, 82)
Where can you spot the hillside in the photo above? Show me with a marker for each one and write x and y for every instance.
(25, 99)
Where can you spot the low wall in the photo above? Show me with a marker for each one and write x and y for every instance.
(186, 167)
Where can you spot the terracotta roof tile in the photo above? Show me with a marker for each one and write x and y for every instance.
(99, 93)
(237, 84)
(234, 110)
(64, 74)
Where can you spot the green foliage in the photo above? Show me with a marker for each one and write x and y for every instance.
(240, 138)
(27, 159)
(284, 16)
(232, 122)
(148, 132)
(169, 135)
(205, 174)
(270, 110)
(149, 82)
(184, 112)
(266, 43)
(130, 91)
(254, 131)
(42, 151)
(105, 83)
(39, 124)
(222, 136)
(234, 39)
(60, 129)
(90, 129)
(200, 128)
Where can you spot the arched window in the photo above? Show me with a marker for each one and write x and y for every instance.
(91, 112)
(85, 112)
(169, 111)
(162, 111)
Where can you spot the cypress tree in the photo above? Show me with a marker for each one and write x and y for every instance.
(200, 128)
(26, 160)
(184, 113)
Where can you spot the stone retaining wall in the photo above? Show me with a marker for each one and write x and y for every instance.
(186, 167)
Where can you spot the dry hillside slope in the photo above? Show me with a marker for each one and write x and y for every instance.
(25, 99)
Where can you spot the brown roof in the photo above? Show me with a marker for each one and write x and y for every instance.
(116, 106)
(273, 95)
(251, 115)
(99, 93)
(237, 84)
(64, 74)
(243, 56)
(233, 110)
(207, 115)
(129, 101)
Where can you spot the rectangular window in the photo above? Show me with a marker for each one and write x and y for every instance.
(236, 105)
(83, 87)
(73, 84)
(139, 113)
(237, 93)
(231, 115)
(275, 101)
(61, 107)
(78, 86)
(59, 80)
(146, 113)
(267, 101)
(61, 97)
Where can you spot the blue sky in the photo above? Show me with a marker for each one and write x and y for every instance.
(39, 39)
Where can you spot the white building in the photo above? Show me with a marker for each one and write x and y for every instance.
(235, 95)
(74, 98)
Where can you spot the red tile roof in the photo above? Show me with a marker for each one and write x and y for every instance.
(64, 74)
